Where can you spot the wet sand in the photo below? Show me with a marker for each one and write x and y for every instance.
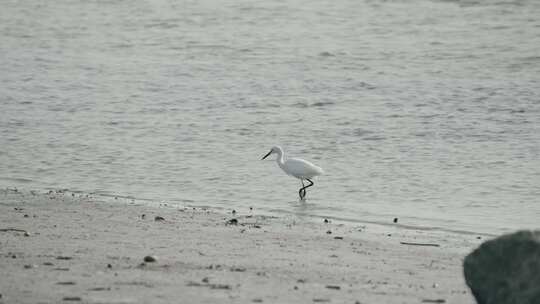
(55, 247)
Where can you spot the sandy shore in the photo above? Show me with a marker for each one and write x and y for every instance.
(79, 249)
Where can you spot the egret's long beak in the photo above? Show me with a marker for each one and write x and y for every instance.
(267, 155)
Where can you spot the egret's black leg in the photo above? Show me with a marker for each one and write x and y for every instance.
(302, 191)
(305, 187)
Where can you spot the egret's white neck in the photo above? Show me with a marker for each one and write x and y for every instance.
(280, 158)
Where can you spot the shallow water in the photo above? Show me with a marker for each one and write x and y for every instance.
(428, 111)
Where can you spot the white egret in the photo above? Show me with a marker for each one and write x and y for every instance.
(296, 167)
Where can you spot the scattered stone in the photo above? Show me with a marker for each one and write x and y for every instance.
(26, 234)
(234, 212)
(26, 215)
(338, 237)
(434, 301)
(232, 222)
(66, 283)
(395, 220)
(159, 218)
(29, 266)
(505, 269)
(316, 300)
(99, 288)
(251, 209)
(143, 216)
(238, 269)
(219, 286)
(257, 226)
(13, 256)
(150, 259)
(61, 269)
(328, 232)
(71, 299)
(109, 266)
(205, 280)
(326, 221)
(257, 300)
(295, 287)
(61, 257)
(335, 287)
(478, 237)
(48, 264)
(300, 281)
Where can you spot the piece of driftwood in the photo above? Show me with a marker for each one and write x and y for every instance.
(11, 229)
(421, 244)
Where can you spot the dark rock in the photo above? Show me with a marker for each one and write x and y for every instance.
(326, 221)
(232, 222)
(26, 234)
(71, 299)
(29, 266)
(66, 283)
(234, 212)
(99, 288)
(150, 259)
(60, 257)
(338, 237)
(333, 287)
(109, 266)
(506, 269)
(328, 232)
(395, 220)
(159, 218)
(205, 280)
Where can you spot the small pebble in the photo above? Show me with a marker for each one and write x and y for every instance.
(395, 220)
(150, 259)
(234, 212)
(295, 287)
(338, 237)
(26, 234)
(159, 218)
(143, 216)
(328, 232)
(205, 280)
(29, 266)
(26, 215)
(109, 266)
(71, 299)
(335, 287)
(326, 221)
(232, 222)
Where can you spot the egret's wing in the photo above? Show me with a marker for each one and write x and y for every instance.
(301, 168)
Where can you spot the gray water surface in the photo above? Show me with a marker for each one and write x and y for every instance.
(424, 110)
